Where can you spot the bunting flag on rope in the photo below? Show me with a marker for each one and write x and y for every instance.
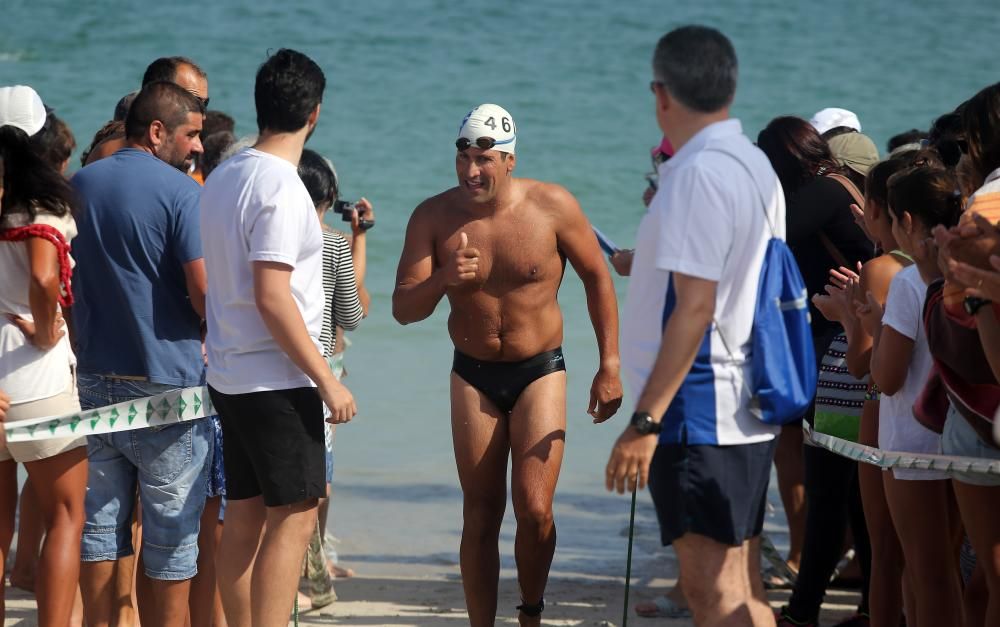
(168, 408)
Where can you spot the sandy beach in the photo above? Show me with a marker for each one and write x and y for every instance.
(411, 579)
(437, 602)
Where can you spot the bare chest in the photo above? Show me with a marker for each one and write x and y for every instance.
(512, 252)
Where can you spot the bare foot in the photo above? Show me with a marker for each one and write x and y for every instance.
(339, 572)
(529, 621)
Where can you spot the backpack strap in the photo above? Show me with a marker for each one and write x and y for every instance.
(760, 192)
(859, 200)
(770, 225)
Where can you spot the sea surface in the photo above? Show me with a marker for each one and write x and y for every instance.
(575, 75)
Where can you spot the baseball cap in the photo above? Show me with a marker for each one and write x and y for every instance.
(21, 107)
(825, 119)
(493, 121)
(854, 150)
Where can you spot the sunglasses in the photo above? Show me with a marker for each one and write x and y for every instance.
(483, 143)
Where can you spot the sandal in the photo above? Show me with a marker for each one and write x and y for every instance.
(664, 607)
(778, 579)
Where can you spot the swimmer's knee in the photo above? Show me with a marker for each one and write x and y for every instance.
(484, 515)
(535, 515)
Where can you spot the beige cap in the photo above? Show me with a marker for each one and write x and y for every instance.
(854, 150)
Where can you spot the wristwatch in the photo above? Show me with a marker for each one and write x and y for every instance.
(644, 424)
(973, 304)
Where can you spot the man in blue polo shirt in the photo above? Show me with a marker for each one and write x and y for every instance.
(694, 281)
(140, 298)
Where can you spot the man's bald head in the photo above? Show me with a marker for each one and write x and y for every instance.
(180, 71)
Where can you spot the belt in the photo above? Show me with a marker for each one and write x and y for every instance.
(124, 377)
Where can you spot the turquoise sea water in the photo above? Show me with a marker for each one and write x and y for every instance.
(575, 76)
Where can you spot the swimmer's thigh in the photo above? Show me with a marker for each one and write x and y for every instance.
(479, 435)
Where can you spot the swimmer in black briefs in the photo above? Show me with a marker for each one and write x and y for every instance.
(496, 246)
(502, 382)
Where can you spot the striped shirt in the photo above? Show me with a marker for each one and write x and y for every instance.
(342, 307)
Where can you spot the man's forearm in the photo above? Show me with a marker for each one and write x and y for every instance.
(413, 303)
(282, 318)
(603, 307)
(682, 337)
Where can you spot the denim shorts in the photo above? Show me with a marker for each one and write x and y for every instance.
(961, 440)
(168, 466)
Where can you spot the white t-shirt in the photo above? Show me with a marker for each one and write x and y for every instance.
(27, 373)
(898, 430)
(706, 221)
(255, 208)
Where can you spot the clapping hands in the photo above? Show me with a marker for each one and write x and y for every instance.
(839, 304)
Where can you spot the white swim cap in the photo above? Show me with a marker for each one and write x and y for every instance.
(492, 121)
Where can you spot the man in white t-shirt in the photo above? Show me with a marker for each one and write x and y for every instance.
(266, 373)
(692, 291)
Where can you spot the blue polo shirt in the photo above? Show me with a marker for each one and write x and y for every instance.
(139, 224)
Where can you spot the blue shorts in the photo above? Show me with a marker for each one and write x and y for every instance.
(719, 492)
(169, 466)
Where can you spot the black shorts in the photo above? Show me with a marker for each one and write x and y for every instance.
(719, 492)
(272, 445)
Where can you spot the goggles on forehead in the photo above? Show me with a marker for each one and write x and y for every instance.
(483, 143)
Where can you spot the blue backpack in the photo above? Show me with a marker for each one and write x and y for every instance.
(782, 358)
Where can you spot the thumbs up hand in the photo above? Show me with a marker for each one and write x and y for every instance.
(463, 266)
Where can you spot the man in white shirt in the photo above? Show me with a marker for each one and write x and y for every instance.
(692, 291)
(267, 375)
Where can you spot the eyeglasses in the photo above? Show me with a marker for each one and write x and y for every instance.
(204, 102)
(654, 84)
(483, 143)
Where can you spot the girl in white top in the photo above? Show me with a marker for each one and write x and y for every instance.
(36, 363)
(920, 502)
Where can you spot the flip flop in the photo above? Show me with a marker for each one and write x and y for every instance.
(665, 608)
(775, 579)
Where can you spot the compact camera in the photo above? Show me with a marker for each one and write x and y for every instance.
(347, 209)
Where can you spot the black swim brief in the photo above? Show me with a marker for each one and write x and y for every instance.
(503, 381)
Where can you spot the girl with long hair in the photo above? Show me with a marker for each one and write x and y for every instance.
(37, 364)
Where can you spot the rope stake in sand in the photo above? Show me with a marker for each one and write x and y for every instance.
(891, 459)
(168, 408)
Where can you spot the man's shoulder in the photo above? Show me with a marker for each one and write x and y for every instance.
(434, 205)
(547, 195)
(730, 154)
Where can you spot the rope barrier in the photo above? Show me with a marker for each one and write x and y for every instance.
(892, 459)
(171, 407)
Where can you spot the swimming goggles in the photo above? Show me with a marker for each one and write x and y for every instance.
(483, 143)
